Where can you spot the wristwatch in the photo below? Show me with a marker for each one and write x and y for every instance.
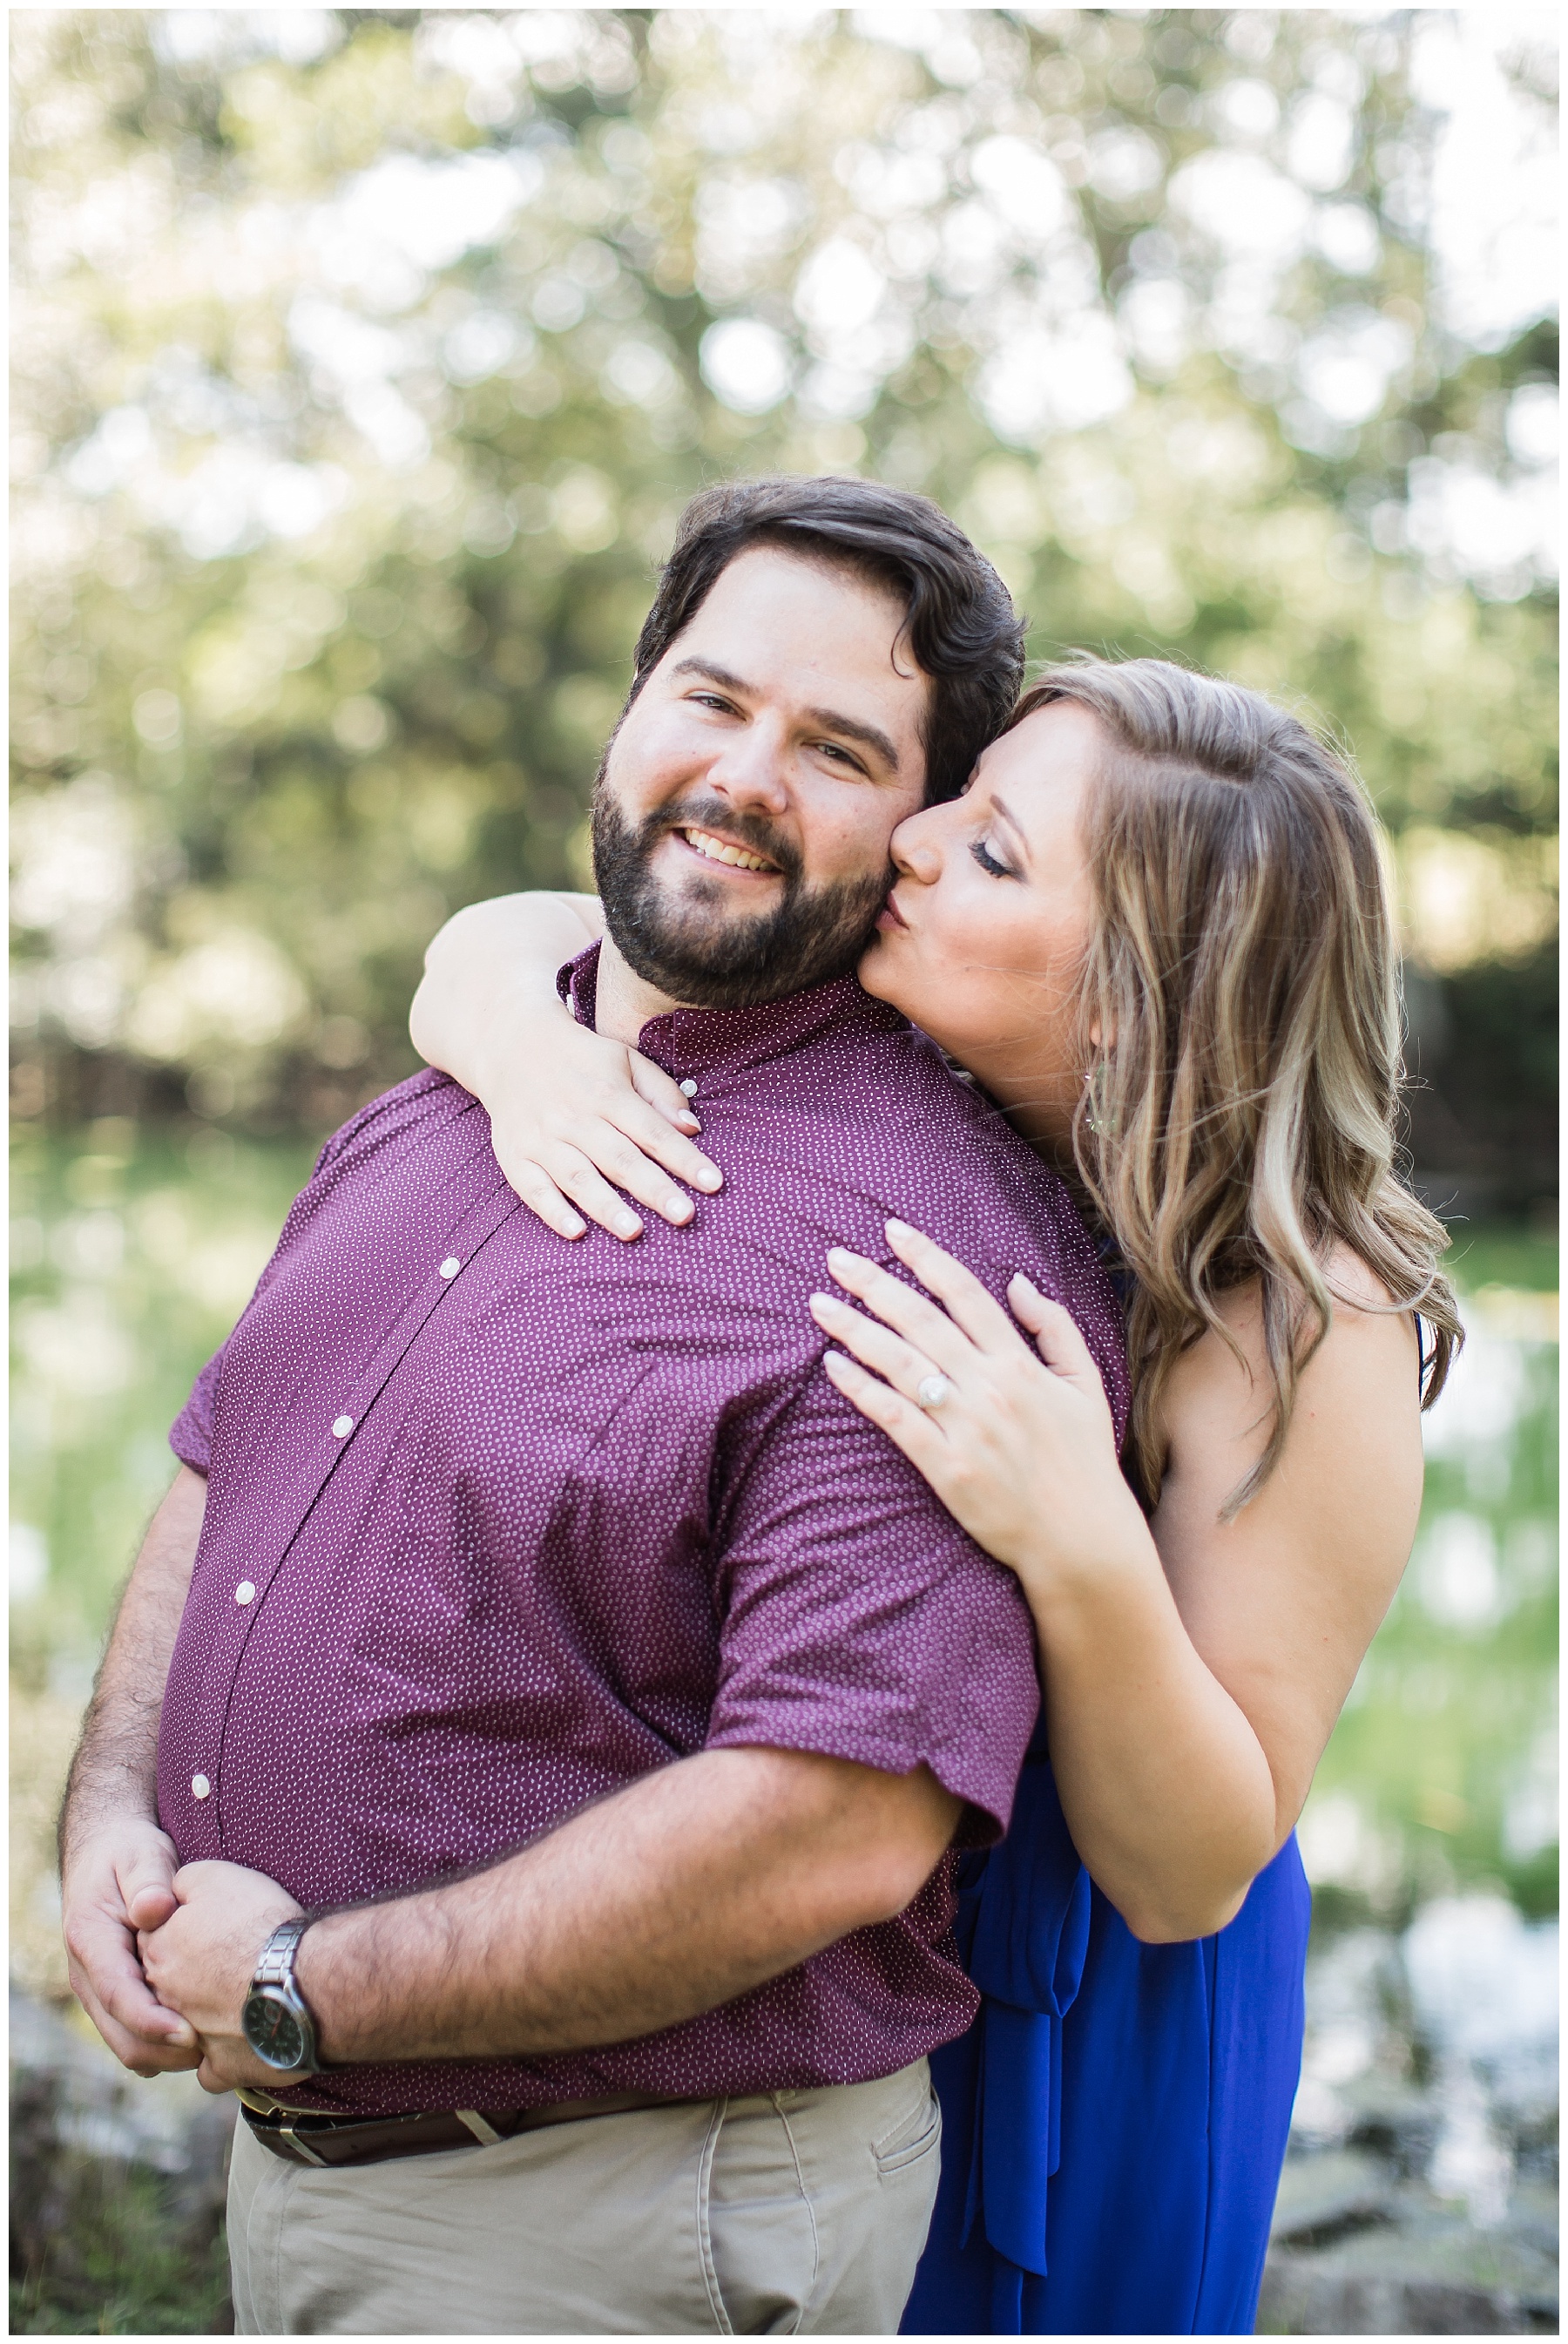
(277, 2019)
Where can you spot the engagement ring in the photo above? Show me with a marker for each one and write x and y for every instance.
(932, 1390)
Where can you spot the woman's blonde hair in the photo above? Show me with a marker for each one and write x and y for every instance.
(1237, 1120)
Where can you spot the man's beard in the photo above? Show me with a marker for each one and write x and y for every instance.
(690, 950)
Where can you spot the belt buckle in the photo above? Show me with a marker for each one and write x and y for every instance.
(262, 2104)
(278, 2118)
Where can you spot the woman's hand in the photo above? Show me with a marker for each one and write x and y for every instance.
(1021, 1447)
(570, 1110)
(580, 1111)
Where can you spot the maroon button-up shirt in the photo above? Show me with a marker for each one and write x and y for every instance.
(496, 1525)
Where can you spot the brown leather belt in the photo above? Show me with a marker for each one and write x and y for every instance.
(304, 2137)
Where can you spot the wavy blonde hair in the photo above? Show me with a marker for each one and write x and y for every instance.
(1239, 1122)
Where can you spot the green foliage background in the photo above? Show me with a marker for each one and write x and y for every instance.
(364, 359)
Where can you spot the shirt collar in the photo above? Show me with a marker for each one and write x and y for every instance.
(696, 1041)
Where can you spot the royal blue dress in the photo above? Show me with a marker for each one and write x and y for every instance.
(1114, 2121)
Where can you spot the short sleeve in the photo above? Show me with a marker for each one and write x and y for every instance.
(190, 1435)
(857, 1620)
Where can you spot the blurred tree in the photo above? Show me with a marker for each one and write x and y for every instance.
(364, 359)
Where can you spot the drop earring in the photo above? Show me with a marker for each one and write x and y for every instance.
(1102, 1117)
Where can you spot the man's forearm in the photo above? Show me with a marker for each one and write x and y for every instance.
(116, 1867)
(695, 1885)
(114, 1770)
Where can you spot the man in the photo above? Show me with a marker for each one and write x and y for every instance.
(599, 1688)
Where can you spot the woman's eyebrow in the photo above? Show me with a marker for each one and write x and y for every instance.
(1001, 811)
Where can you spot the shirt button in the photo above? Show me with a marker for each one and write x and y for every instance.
(689, 1087)
(244, 1593)
(342, 1427)
(451, 1265)
(200, 1787)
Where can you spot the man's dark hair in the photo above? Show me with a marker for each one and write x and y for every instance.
(958, 619)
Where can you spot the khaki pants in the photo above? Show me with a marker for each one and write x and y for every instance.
(792, 2213)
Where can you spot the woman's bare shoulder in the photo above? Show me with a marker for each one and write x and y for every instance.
(1310, 1563)
(1359, 1387)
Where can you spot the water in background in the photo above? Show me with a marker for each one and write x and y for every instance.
(1420, 2196)
(1419, 2192)
(1443, 1767)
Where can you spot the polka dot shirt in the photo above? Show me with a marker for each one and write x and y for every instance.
(496, 1524)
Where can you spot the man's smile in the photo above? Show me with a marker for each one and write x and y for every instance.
(714, 849)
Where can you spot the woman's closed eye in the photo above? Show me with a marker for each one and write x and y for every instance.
(988, 862)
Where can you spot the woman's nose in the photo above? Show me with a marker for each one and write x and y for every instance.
(916, 849)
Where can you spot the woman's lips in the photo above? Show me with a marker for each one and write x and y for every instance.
(889, 916)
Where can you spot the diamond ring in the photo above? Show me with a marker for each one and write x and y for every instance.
(932, 1390)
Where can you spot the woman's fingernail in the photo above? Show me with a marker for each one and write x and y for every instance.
(627, 1225)
(678, 1208)
(898, 1228)
(710, 1178)
(826, 1302)
(688, 1121)
(576, 1228)
(837, 1254)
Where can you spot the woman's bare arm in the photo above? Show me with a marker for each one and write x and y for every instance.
(571, 1111)
(491, 958)
(1192, 1670)
(1282, 1603)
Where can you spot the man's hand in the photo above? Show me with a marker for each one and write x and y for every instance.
(116, 1867)
(118, 1881)
(201, 1961)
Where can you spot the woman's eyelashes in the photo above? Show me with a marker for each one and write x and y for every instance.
(988, 862)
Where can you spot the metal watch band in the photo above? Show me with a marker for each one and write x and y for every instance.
(274, 1988)
(276, 1965)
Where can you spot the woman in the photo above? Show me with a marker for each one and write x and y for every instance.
(1155, 929)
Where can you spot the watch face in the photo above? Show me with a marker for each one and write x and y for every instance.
(272, 2030)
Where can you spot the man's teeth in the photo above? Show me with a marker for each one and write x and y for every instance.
(718, 850)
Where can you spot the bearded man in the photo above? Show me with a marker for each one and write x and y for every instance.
(560, 1703)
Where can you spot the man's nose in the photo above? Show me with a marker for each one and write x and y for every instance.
(752, 772)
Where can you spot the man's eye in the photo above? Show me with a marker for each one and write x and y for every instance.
(987, 860)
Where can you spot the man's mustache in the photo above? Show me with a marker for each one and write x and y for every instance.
(748, 830)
